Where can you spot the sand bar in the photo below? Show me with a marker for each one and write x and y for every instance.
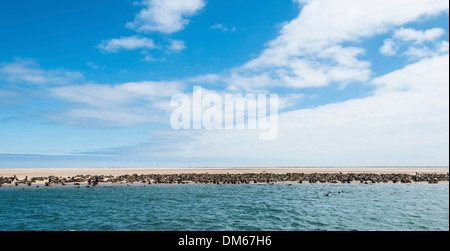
(22, 173)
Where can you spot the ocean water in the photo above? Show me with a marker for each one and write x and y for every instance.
(276, 207)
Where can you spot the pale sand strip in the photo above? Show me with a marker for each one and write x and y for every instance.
(22, 173)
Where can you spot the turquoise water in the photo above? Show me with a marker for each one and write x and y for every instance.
(232, 207)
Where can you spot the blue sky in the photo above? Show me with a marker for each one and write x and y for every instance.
(87, 83)
(66, 35)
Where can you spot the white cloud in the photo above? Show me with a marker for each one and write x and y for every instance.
(324, 23)
(443, 47)
(165, 16)
(404, 123)
(148, 58)
(416, 36)
(30, 72)
(223, 28)
(417, 43)
(112, 117)
(218, 27)
(415, 52)
(207, 78)
(125, 104)
(126, 43)
(93, 65)
(332, 64)
(423, 51)
(176, 45)
(426, 76)
(297, 59)
(252, 83)
(106, 95)
(389, 47)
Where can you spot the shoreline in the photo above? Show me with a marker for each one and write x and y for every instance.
(98, 176)
(62, 172)
(40, 185)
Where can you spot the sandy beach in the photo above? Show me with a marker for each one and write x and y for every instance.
(22, 173)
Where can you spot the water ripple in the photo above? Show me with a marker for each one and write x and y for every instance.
(234, 207)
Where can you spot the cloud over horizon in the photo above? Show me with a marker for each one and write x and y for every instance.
(360, 83)
(28, 71)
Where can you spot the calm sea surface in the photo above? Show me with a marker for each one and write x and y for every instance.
(228, 207)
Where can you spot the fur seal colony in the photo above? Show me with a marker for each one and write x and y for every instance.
(206, 178)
